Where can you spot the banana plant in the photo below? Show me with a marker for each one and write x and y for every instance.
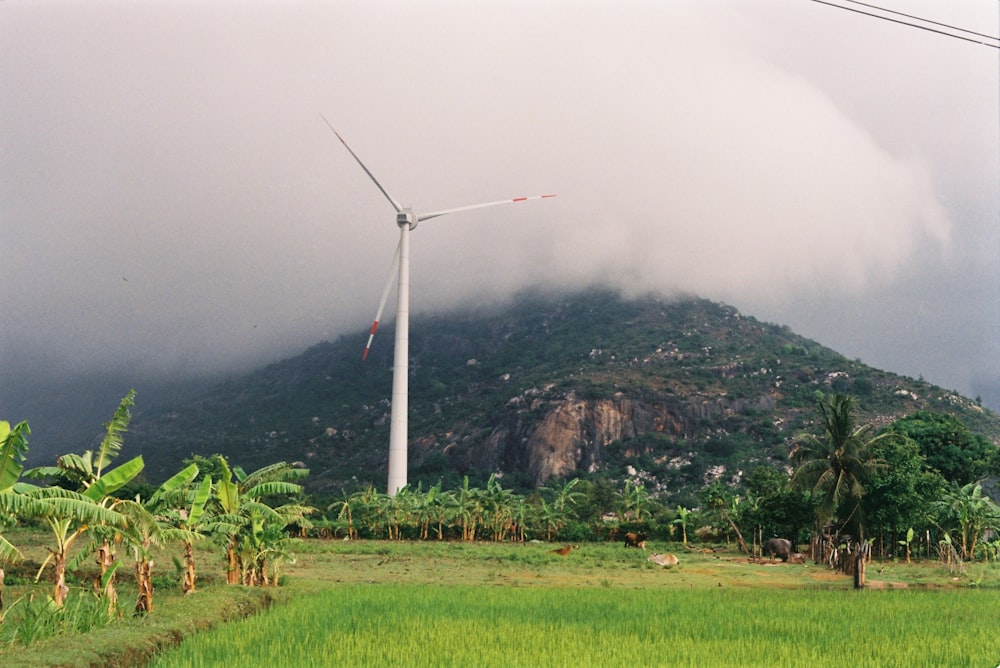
(94, 481)
(13, 450)
(906, 543)
(250, 528)
(682, 520)
(182, 506)
(69, 516)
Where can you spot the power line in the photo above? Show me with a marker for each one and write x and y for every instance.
(915, 25)
(911, 16)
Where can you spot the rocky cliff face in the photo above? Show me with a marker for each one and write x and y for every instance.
(573, 433)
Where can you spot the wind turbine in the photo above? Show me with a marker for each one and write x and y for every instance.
(407, 220)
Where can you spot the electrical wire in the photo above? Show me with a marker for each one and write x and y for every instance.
(916, 25)
(911, 16)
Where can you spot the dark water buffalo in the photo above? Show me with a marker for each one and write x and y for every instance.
(777, 547)
(635, 540)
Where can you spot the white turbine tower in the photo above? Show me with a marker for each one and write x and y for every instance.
(407, 220)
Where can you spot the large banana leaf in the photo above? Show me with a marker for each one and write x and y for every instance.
(82, 509)
(227, 491)
(78, 466)
(261, 510)
(175, 483)
(8, 552)
(114, 479)
(272, 472)
(114, 436)
(16, 504)
(201, 496)
(272, 488)
(13, 449)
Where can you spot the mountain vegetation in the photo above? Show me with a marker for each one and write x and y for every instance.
(673, 394)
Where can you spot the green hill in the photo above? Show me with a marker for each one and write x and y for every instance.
(675, 391)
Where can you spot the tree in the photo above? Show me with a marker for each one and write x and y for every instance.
(69, 515)
(834, 465)
(949, 447)
(634, 500)
(774, 508)
(899, 495)
(720, 501)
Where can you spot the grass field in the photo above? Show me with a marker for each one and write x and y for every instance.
(487, 605)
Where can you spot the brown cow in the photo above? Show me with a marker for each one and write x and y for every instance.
(563, 551)
(635, 540)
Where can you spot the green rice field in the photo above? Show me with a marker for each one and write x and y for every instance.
(501, 605)
(418, 625)
(381, 603)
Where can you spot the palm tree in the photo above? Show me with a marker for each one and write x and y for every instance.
(834, 465)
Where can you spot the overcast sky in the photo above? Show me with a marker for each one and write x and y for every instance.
(172, 203)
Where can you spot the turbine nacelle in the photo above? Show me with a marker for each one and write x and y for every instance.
(407, 217)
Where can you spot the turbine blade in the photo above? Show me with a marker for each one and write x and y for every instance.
(394, 203)
(381, 305)
(435, 214)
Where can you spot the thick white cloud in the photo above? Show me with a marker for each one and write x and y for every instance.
(173, 202)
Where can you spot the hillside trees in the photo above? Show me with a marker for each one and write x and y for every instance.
(899, 496)
(774, 508)
(949, 447)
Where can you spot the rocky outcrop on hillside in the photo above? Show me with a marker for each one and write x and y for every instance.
(560, 436)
